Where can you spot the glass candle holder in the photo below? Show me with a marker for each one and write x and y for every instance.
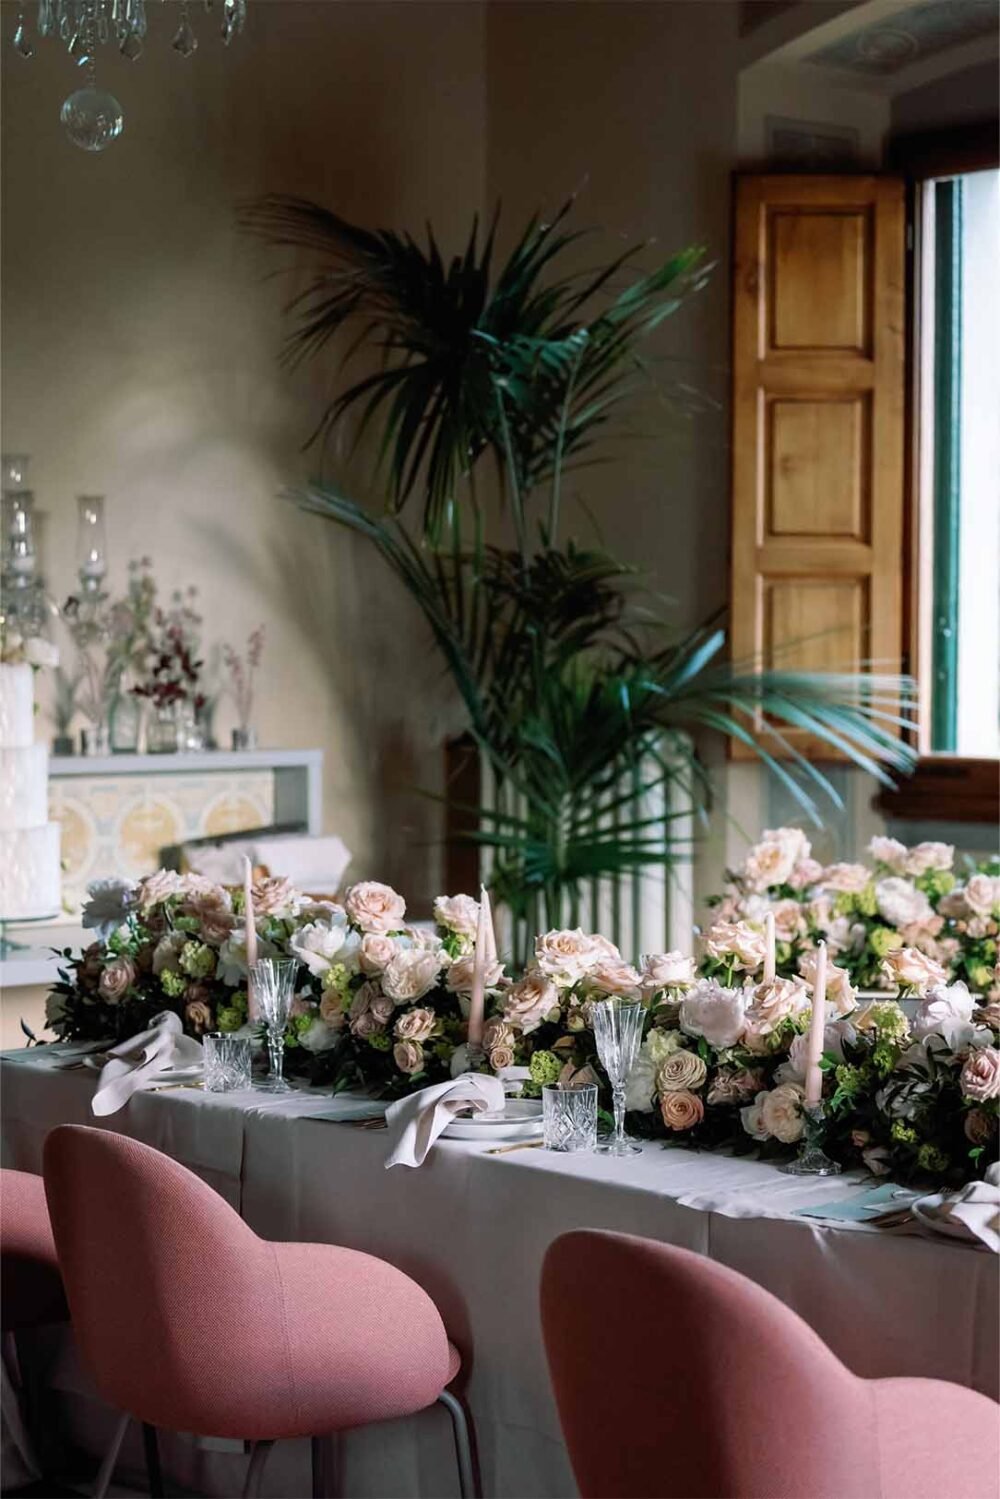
(91, 542)
(228, 1061)
(569, 1116)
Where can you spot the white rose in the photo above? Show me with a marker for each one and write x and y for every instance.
(376, 953)
(641, 1083)
(789, 920)
(457, 913)
(715, 1013)
(946, 1011)
(805, 873)
(925, 856)
(317, 944)
(849, 878)
(771, 861)
(900, 903)
(890, 852)
(375, 908)
(781, 1113)
(167, 952)
(752, 1118)
(411, 974)
(737, 940)
(567, 955)
(319, 1037)
(39, 652)
(982, 894)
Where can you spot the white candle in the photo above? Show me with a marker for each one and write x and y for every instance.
(477, 1000)
(770, 965)
(491, 935)
(251, 935)
(817, 1026)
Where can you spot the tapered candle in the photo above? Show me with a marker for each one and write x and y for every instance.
(251, 935)
(477, 999)
(817, 1027)
(770, 965)
(491, 935)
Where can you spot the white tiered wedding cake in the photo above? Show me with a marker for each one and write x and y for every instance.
(29, 843)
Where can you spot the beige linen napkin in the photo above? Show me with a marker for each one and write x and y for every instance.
(139, 1061)
(972, 1213)
(415, 1122)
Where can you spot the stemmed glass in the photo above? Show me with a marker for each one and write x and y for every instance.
(618, 1030)
(273, 981)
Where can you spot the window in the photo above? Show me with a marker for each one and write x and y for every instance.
(957, 406)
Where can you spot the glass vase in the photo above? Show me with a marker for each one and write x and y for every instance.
(163, 733)
(125, 718)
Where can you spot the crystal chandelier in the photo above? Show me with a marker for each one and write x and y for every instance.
(92, 117)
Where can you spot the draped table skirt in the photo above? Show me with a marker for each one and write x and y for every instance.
(473, 1228)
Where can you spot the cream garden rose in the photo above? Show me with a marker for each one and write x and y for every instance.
(847, 879)
(375, 908)
(667, 970)
(982, 894)
(415, 1025)
(376, 953)
(568, 955)
(840, 992)
(411, 974)
(613, 976)
(408, 1056)
(318, 944)
(715, 1013)
(116, 979)
(781, 1112)
(913, 971)
(924, 857)
(771, 861)
(460, 974)
(890, 852)
(275, 897)
(901, 904)
(775, 1002)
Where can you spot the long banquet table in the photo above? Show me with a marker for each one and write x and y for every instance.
(472, 1228)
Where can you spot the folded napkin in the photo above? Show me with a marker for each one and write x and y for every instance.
(415, 1122)
(139, 1061)
(972, 1213)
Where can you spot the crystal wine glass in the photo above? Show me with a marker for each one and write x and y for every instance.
(273, 981)
(618, 1030)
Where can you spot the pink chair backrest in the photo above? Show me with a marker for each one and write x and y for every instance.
(164, 1279)
(677, 1378)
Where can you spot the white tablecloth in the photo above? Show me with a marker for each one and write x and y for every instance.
(473, 1229)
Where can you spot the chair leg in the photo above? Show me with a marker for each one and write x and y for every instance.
(326, 1476)
(258, 1458)
(110, 1458)
(151, 1448)
(465, 1449)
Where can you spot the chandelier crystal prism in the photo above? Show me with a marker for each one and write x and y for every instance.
(91, 116)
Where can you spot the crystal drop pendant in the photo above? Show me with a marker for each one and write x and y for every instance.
(22, 42)
(92, 119)
(185, 42)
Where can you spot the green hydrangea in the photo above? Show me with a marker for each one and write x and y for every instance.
(229, 1018)
(380, 1041)
(197, 960)
(172, 983)
(545, 1067)
(883, 940)
(336, 980)
(848, 1078)
(888, 1020)
(930, 1158)
(903, 1134)
(884, 1056)
(981, 976)
(186, 924)
(936, 882)
(299, 1024)
(865, 902)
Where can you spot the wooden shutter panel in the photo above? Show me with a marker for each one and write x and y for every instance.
(818, 400)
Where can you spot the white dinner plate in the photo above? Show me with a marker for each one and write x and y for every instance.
(522, 1117)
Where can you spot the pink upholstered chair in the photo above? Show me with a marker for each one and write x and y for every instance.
(31, 1288)
(188, 1321)
(677, 1378)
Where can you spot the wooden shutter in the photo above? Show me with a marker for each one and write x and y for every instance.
(818, 400)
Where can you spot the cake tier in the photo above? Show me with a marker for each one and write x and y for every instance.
(24, 787)
(17, 706)
(30, 884)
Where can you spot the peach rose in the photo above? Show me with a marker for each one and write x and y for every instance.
(376, 952)
(681, 1110)
(457, 913)
(732, 1085)
(411, 974)
(846, 878)
(366, 1024)
(213, 911)
(982, 894)
(408, 1056)
(461, 973)
(568, 955)
(926, 856)
(198, 1016)
(501, 1056)
(116, 979)
(497, 1032)
(980, 1078)
(737, 940)
(382, 1008)
(331, 1009)
(530, 1000)
(275, 897)
(807, 872)
(772, 1003)
(159, 887)
(611, 976)
(415, 1025)
(667, 970)
(375, 908)
(789, 920)
(840, 992)
(890, 852)
(682, 1072)
(771, 861)
(913, 971)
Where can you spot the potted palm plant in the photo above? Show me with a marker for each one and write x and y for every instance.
(584, 703)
